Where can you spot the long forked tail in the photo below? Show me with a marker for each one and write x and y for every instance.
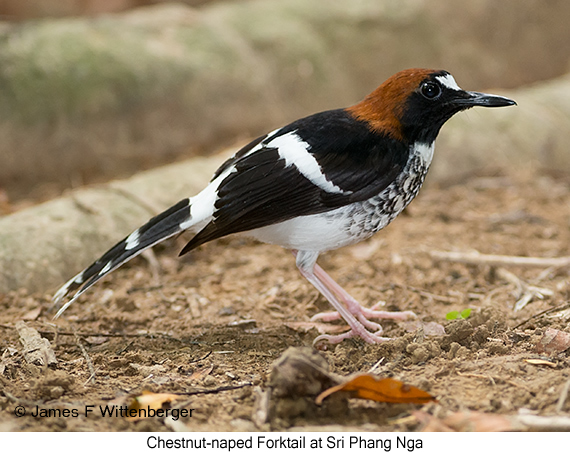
(167, 224)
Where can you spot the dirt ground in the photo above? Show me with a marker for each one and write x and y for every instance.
(208, 326)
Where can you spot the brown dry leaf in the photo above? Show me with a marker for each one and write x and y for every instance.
(367, 386)
(37, 349)
(540, 362)
(201, 373)
(553, 341)
(149, 400)
(33, 314)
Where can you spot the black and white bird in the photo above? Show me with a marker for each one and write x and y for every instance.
(320, 183)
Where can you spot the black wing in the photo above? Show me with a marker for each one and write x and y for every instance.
(263, 190)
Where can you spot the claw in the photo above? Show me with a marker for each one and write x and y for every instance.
(347, 307)
(367, 336)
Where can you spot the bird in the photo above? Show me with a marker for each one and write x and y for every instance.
(320, 183)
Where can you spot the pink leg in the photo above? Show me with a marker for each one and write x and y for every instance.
(354, 307)
(346, 306)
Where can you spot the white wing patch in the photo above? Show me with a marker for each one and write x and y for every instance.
(295, 152)
(202, 205)
(449, 82)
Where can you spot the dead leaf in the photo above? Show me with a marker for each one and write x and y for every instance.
(367, 386)
(201, 373)
(553, 341)
(33, 314)
(147, 401)
(37, 349)
(540, 362)
(153, 400)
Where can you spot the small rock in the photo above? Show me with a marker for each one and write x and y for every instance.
(209, 380)
(56, 392)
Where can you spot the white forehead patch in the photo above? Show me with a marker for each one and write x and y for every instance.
(448, 81)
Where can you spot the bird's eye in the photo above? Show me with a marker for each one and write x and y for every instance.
(431, 90)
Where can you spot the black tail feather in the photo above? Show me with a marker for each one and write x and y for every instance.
(157, 229)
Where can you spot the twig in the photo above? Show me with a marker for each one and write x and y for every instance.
(99, 334)
(261, 408)
(87, 359)
(525, 292)
(563, 397)
(135, 335)
(483, 377)
(215, 390)
(202, 358)
(153, 263)
(476, 258)
(546, 311)
(492, 380)
(427, 294)
(375, 366)
(151, 208)
(544, 423)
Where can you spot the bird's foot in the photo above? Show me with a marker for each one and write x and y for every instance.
(347, 307)
(362, 315)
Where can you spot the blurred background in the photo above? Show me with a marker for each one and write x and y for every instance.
(113, 110)
(92, 90)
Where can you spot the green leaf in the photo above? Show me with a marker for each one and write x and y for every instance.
(465, 313)
(452, 315)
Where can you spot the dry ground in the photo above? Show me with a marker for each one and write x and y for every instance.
(219, 317)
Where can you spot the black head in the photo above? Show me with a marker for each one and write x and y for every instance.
(412, 105)
(435, 99)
